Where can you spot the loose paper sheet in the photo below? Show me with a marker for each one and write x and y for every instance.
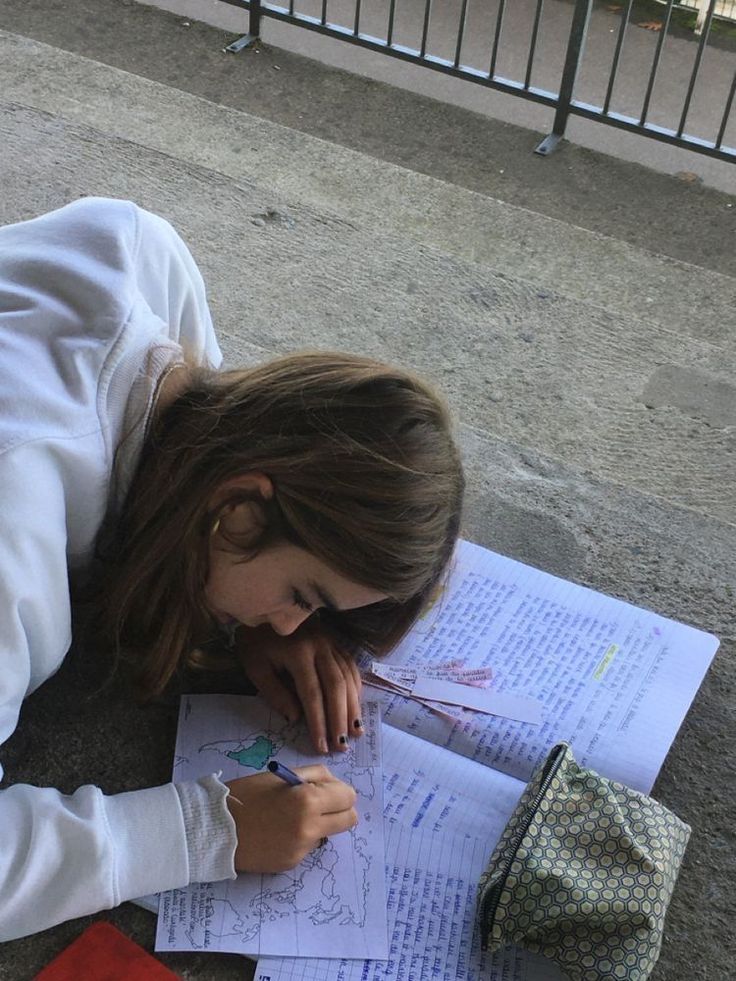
(335, 900)
(423, 687)
(613, 680)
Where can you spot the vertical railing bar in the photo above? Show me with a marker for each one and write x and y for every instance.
(533, 45)
(390, 33)
(324, 12)
(655, 62)
(696, 66)
(461, 32)
(617, 56)
(726, 114)
(291, 8)
(573, 58)
(497, 37)
(425, 29)
(254, 18)
(356, 29)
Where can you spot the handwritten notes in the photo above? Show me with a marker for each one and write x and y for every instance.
(612, 679)
(432, 881)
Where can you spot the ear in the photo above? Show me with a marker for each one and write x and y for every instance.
(253, 482)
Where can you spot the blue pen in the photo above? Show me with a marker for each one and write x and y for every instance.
(285, 773)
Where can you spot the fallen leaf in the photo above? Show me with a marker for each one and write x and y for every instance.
(614, 7)
(651, 25)
(688, 177)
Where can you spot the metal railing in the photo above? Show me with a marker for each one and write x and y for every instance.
(501, 50)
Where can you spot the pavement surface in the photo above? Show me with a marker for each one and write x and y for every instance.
(677, 217)
(640, 45)
(598, 428)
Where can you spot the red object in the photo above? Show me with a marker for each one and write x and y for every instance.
(103, 953)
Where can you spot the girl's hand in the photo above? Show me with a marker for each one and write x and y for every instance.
(278, 825)
(305, 672)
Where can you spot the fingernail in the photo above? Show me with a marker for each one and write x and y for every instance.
(322, 745)
(343, 740)
(358, 724)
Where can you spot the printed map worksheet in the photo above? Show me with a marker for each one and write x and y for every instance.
(334, 902)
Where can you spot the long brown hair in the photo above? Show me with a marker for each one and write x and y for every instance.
(366, 477)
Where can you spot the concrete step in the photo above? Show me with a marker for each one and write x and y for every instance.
(550, 253)
(592, 437)
(612, 397)
(627, 544)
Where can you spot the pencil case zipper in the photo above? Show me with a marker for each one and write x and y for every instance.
(491, 899)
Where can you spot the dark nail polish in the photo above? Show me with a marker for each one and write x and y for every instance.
(343, 740)
(358, 724)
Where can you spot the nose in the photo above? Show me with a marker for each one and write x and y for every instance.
(288, 621)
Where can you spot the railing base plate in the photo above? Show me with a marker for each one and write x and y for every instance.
(548, 145)
(243, 42)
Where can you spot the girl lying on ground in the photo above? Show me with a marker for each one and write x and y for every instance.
(311, 500)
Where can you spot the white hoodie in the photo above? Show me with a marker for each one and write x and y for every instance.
(96, 300)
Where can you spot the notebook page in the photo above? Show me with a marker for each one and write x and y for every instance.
(614, 680)
(432, 881)
(427, 787)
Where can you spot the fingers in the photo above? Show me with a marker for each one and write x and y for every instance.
(341, 685)
(315, 773)
(309, 689)
(327, 794)
(355, 690)
(326, 682)
(336, 824)
(278, 825)
(328, 686)
(333, 799)
(263, 672)
(335, 690)
(275, 692)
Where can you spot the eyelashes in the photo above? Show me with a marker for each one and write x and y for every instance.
(301, 602)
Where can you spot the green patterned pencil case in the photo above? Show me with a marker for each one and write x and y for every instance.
(583, 874)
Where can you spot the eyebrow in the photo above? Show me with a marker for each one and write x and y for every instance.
(325, 598)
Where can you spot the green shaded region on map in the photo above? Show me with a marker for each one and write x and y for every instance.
(255, 756)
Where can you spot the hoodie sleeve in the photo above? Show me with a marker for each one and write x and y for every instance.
(62, 856)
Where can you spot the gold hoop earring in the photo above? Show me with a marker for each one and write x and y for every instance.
(215, 528)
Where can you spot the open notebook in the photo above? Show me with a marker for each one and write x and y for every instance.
(612, 679)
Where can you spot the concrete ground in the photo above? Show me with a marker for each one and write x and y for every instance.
(585, 341)
(674, 70)
(609, 195)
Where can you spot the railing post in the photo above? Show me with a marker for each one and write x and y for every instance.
(254, 24)
(702, 14)
(575, 45)
(254, 29)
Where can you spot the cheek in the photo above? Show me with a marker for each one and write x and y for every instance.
(234, 588)
(219, 588)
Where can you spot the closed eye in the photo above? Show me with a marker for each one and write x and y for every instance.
(301, 602)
